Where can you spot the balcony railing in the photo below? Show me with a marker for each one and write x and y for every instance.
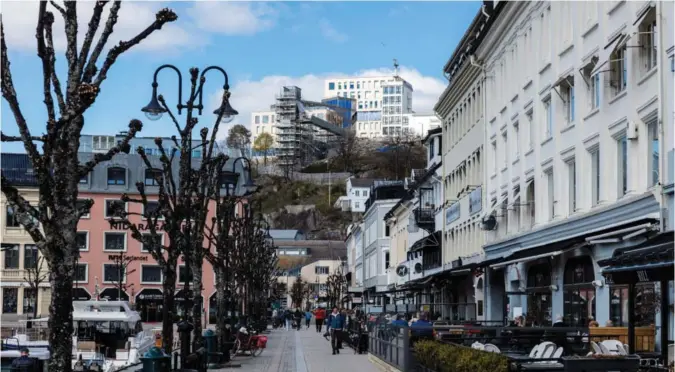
(425, 218)
(13, 274)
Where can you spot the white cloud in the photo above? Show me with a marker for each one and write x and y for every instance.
(233, 18)
(330, 33)
(257, 95)
(20, 19)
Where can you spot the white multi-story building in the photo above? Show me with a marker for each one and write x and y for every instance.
(377, 116)
(358, 192)
(263, 122)
(421, 124)
(574, 106)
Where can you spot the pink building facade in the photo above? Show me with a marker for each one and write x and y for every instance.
(100, 241)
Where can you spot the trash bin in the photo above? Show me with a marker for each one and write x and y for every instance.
(211, 344)
(155, 360)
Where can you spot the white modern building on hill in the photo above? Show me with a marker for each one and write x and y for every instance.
(383, 103)
(578, 109)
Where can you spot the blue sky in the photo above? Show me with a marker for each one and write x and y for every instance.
(262, 46)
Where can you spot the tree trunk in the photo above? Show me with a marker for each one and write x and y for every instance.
(168, 306)
(61, 314)
(221, 309)
(197, 306)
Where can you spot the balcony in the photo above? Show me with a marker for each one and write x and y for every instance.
(13, 274)
(425, 218)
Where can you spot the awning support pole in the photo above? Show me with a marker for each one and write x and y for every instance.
(665, 327)
(631, 318)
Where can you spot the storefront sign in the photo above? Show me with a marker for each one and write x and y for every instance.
(452, 213)
(402, 270)
(114, 257)
(150, 297)
(476, 200)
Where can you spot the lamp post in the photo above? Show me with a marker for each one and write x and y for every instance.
(225, 113)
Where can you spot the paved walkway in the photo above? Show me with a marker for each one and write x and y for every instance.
(301, 351)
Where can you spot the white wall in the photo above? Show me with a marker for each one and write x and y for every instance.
(531, 53)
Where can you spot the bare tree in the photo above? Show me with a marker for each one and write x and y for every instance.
(121, 263)
(299, 289)
(336, 285)
(57, 167)
(35, 275)
(399, 155)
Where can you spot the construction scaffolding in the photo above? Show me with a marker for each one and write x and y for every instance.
(306, 130)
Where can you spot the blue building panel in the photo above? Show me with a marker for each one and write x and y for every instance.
(349, 106)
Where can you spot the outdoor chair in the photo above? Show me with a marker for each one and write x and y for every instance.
(534, 352)
(478, 346)
(490, 348)
(596, 348)
(614, 347)
(604, 350)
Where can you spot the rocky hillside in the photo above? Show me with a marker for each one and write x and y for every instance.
(304, 206)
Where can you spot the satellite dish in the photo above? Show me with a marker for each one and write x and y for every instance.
(489, 223)
(412, 224)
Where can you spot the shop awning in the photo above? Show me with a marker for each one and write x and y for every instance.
(150, 294)
(431, 240)
(81, 294)
(527, 255)
(113, 294)
(648, 262)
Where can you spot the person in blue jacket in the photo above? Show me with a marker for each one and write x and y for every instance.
(422, 328)
(336, 324)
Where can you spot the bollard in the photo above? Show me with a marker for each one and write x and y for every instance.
(184, 329)
(155, 360)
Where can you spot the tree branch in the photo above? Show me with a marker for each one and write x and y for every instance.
(94, 22)
(163, 16)
(45, 17)
(52, 61)
(5, 138)
(91, 69)
(59, 8)
(123, 146)
(9, 93)
(71, 50)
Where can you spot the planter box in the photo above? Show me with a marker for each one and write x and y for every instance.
(588, 364)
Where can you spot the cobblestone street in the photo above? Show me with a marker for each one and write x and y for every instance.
(302, 351)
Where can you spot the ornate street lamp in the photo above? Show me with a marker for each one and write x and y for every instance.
(154, 109)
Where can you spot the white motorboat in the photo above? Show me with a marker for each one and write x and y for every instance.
(107, 333)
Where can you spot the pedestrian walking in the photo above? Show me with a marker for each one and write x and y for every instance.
(288, 316)
(336, 322)
(308, 318)
(319, 316)
(298, 318)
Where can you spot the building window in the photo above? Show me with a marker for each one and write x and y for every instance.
(595, 91)
(648, 52)
(653, 138)
(151, 274)
(11, 255)
(29, 300)
(152, 176)
(113, 273)
(183, 275)
(112, 207)
(618, 71)
(84, 180)
(365, 193)
(81, 272)
(256, 119)
(331, 86)
(493, 155)
(115, 241)
(622, 160)
(530, 130)
(11, 219)
(158, 241)
(151, 210)
(196, 154)
(356, 193)
(386, 260)
(30, 256)
(117, 176)
(80, 204)
(351, 85)
(9, 300)
(578, 292)
(569, 103)
(103, 142)
(645, 305)
(572, 176)
(505, 146)
(386, 230)
(321, 270)
(548, 112)
(516, 140)
(82, 239)
(595, 177)
(357, 205)
(265, 119)
(539, 295)
(551, 194)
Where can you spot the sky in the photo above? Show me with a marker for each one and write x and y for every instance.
(262, 46)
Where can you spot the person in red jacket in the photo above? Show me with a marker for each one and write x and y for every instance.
(319, 316)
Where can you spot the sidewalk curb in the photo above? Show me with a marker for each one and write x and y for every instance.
(380, 364)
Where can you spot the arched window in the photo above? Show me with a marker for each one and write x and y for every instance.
(539, 310)
(579, 293)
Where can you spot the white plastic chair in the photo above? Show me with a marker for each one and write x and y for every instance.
(546, 349)
(490, 348)
(625, 347)
(614, 347)
(534, 352)
(478, 346)
(605, 350)
(596, 348)
(558, 353)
